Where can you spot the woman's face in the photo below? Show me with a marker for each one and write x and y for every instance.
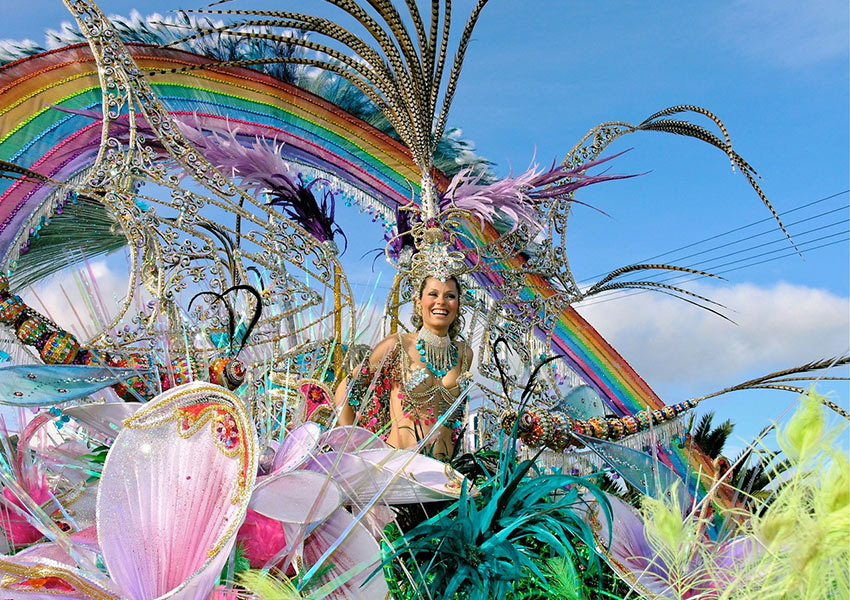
(440, 302)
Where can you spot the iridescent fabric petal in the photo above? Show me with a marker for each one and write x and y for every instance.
(296, 497)
(174, 490)
(351, 438)
(297, 447)
(647, 473)
(353, 558)
(397, 476)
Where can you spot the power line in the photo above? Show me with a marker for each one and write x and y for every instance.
(736, 229)
(681, 278)
(687, 277)
(618, 294)
(710, 267)
(769, 231)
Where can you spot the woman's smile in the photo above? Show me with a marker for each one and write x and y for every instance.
(439, 303)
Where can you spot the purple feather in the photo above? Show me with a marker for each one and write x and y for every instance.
(260, 168)
(402, 239)
(515, 198)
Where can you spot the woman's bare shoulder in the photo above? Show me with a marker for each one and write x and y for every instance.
(466, 351)
(386, 345)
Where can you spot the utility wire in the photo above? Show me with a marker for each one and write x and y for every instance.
(687, 277)
(736, 229)
(618, 295)
(710, 266)
(769, 231)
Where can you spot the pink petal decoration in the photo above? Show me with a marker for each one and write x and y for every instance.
(354, 559)
(105, 419)
(296, 497)
(87, 538)
(409, 476)
(351, 438)
(377, 518)
(297, 447)
(174, 491)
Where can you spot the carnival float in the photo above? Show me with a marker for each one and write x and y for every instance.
(226, 432)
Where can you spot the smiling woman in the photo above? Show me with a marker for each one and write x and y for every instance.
(407, 389)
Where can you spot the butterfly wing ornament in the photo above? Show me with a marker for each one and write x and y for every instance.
(46, 385)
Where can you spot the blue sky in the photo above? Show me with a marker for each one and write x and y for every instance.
(540, 73)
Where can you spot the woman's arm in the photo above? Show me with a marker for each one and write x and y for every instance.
(366, 369)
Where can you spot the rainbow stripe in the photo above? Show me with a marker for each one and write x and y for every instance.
(315, 132)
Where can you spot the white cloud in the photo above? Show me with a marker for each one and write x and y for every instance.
(672, 343)
(790, 34)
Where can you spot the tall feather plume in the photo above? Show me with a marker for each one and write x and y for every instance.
(598, 138)
(403, 77)
(451, 153)
(806, 372)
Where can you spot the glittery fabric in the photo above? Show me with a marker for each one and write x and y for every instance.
(371, 393)
(174, 488)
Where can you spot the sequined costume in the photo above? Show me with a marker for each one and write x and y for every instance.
(421, 399)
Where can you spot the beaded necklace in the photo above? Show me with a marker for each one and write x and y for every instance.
(439, 353)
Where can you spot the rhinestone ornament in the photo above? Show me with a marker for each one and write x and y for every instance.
(31, 330)
(11, 308)
(60, 348)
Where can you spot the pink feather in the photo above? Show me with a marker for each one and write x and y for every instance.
(261, 538)
(516, 198)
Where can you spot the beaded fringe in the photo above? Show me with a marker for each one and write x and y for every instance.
(581, 462)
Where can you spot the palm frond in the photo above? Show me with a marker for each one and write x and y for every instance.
(84, 230)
